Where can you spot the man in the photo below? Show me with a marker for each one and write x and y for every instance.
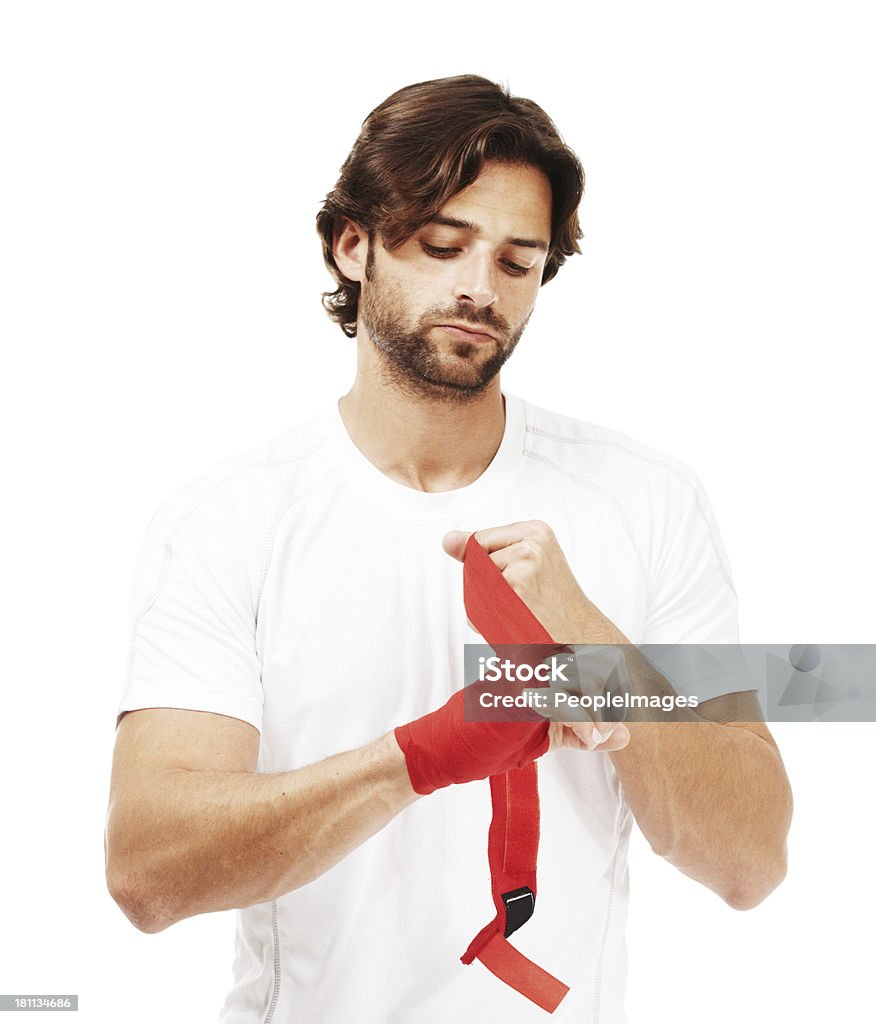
(295, 606)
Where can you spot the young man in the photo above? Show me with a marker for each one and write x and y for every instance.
(298, 604)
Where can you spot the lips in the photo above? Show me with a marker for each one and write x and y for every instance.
(467, 333)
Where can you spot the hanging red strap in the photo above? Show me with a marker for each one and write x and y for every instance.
(503, 619)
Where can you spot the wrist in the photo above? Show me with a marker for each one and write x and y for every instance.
(592, 627)
(394, 767)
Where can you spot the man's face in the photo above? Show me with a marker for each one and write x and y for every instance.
(446, 309)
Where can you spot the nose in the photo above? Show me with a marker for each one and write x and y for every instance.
(476, 282)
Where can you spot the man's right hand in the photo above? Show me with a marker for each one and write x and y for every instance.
(442, 748)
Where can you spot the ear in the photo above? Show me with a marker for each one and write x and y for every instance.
(350, 250)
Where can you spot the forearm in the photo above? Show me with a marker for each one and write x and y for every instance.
(713, 800)
(711, 797)
(189, 842)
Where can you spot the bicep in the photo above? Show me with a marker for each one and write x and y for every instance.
(154, 740)
(147, 815)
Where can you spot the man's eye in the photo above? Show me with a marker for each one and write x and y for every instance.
(439, 252)
(516, 269)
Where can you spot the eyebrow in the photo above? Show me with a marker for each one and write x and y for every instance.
(467, 225)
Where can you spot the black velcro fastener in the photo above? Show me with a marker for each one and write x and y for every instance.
(519, 905)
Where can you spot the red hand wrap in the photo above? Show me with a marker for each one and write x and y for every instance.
(442, 748)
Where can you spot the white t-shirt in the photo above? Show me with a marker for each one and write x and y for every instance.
(299, 589)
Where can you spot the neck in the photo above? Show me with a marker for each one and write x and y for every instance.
(430, 444)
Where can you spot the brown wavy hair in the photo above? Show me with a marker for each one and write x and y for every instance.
(426, 143)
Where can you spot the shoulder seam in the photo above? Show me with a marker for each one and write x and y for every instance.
(602, 442)
(665, 463)
(275, 526)
(603, 493)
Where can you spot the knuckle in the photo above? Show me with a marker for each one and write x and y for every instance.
(541, 529)
(529, 550)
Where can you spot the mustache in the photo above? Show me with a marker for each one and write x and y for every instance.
(485, 317)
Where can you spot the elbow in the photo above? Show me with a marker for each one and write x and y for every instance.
(148, 911)
(746, 899)
(763, 871)
(750, 893)
(135, 878)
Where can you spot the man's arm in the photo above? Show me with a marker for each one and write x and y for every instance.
(193, 828)
(712, 798)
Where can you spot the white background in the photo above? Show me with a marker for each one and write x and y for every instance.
(162, 166)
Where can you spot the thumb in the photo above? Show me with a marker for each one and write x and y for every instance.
(454, 543)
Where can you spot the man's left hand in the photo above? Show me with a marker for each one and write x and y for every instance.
(532, 562)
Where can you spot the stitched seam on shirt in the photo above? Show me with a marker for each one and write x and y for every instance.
(597, 978)
(275, 526)
(603, 493)
(275, 929)
(603, 442)
(651, 460)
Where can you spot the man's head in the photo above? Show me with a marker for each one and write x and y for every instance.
(456, 203)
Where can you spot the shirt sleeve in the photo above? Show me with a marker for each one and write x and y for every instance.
(692, 600)
(193, 618)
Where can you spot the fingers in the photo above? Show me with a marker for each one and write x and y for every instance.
(576, 726)
(502, 557)
(581, 736)
(492, 540)
(454, 544)
(602, 736)
(543, 699)
(496, 539)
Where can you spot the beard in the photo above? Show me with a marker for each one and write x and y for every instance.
(452, 370)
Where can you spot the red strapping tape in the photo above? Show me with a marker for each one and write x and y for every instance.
(502, 618)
